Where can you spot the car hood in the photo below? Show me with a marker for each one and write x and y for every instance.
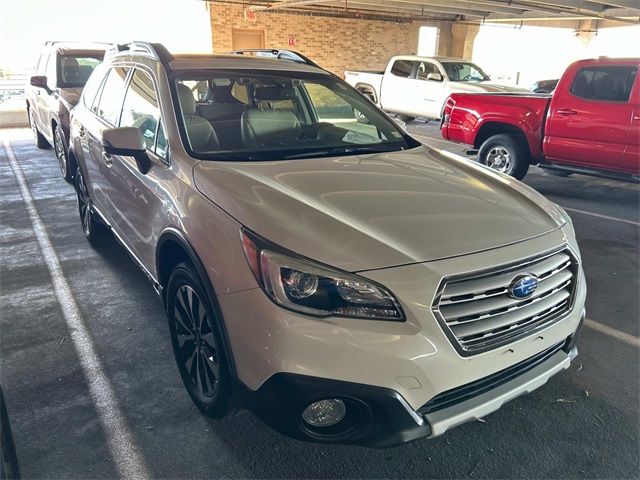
(485, 87)
(379, 210)
(70, 95)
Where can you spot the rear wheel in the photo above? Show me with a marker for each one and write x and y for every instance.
(61, 154)
(96, 232)
(406, 118)
(505, 153)
(197, 345)
(39, 139)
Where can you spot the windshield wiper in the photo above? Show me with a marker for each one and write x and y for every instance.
(336, 151)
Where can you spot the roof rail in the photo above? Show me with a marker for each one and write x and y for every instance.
(153, 50)
(83, 42)
(279, 54)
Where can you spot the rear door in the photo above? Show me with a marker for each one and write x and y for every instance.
(588, 121)
(395, 94)
(106, 114)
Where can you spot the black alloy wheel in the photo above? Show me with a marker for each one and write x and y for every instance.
(196, 342)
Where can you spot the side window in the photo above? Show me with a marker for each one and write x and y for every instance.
(92, 87)
(110, 103)
(402, 68)
(608, 84)
(140, 108)
(424, 69)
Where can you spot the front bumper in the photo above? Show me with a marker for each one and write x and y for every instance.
(380, 417)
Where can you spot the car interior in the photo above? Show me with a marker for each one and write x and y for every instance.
(248, 113)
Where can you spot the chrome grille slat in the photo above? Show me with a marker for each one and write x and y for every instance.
(515, 328)
(487, 283)
(478, 313)
(472, 328)
(480, 307)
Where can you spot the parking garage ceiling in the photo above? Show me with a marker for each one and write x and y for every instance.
(489, 11)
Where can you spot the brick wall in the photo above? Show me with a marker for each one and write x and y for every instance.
(336, 44)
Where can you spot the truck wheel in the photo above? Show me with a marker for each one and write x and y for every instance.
(41, 142)
(506, 154)
(406, 118)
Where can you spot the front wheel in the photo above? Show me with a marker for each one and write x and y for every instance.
(505, 153)
(197, 345)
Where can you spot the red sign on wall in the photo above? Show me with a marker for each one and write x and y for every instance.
(250, 15)
(292, 41)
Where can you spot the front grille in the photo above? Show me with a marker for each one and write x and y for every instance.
(478, 314)
(473, 389)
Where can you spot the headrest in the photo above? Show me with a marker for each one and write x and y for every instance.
(274, 93)
(187, 100)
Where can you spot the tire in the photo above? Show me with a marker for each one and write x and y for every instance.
(505, 153)
(94, 230)
(66, 168)
(406, 118)
(196, 342)
(39, 139)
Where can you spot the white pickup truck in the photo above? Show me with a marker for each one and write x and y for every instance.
(414, 86)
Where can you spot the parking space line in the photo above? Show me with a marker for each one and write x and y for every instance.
(128, 460)
(613, 332)
(599, 215)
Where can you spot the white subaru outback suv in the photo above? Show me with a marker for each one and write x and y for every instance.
(336, 277)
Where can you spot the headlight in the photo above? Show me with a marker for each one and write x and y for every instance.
(564, 215)
(307, 287)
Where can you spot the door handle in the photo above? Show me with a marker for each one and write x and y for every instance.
(567, 111)
(108, 159)
(636, 117)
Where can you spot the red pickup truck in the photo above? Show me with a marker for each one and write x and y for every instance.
(590, 124)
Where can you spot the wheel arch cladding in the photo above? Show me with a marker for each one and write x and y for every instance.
(489, 129)
(172, 249)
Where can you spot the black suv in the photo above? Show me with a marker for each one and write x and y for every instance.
(60, 74)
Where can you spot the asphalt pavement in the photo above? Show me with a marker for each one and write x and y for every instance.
(584, 423)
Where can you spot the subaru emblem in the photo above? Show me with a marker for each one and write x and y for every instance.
(522, 286)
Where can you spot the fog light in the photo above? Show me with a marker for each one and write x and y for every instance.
(324, 413)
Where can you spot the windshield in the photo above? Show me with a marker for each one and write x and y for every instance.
(464, 72)
(279, 115)
(75, 70)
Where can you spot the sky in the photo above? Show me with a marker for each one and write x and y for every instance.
(541, 53)
(182, 25)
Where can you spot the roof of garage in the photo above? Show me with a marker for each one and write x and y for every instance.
(506, 11)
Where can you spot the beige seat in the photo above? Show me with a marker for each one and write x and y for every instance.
(202, 136)
(269, 127)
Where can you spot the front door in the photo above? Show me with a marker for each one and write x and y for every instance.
(133, 196)
(247, 39)
(588, 125)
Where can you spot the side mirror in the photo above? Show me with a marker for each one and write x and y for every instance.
(434, 77)
(128, 142)
(39, 81)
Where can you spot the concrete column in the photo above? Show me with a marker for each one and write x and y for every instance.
(456, 39)
(587, 29)
(463, 36)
